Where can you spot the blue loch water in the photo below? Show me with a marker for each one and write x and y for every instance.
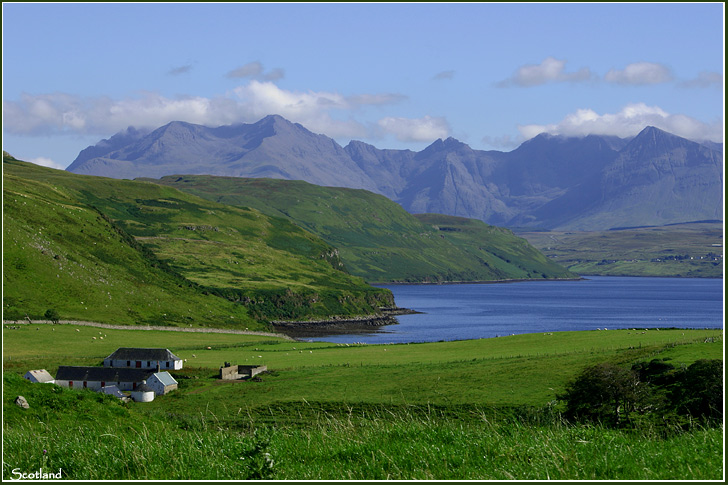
(472, 311)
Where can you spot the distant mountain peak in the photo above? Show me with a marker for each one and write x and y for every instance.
(655, 139)
(549, 181)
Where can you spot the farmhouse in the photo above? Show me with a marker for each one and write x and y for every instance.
(77, 377)
(135, 358)
(40, 375)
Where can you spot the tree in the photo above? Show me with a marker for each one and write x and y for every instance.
(698, 391)
(52, 315)
(604, 393)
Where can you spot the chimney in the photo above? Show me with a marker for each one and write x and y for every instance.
(158, 366)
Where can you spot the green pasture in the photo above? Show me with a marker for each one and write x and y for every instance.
(476, 409)
(693, 250)
(89, 436)
(528, 369)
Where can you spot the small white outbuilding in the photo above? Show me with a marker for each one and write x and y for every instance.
(162, 383)
(40, 375)
(143, 393)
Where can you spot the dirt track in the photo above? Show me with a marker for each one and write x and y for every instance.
(148, 327)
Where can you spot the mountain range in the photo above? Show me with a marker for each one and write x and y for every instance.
(593, 182)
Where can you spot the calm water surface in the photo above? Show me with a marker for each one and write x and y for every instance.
(472, 311)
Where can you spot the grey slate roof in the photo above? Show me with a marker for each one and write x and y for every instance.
(165, 378)
(112, 390)
(131, 353)
(103, 374)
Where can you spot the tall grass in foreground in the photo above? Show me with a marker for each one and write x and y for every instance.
(393, 445)
(425, 449)
(154, 452)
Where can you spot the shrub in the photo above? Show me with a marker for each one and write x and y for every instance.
(698, 390)
(604, 393)
(52, 315)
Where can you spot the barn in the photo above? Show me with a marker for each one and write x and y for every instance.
(140, 358)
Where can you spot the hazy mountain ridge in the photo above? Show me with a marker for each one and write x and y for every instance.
(554, 182)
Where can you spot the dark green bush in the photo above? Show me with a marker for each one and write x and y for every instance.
(604, 393)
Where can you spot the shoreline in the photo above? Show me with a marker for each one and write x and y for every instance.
(479, 282)
(301, 329)
(284, 328)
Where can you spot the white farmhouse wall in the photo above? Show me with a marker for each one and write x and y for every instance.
(96, 385)
(144, 364)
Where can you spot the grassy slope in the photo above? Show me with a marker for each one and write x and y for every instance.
(60, 239)
(632, 252)
(516, 370)
(427, 411)
(379, 240)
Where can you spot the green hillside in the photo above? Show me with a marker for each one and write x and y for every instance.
(120, 251)
(377, 239)
(693, 250)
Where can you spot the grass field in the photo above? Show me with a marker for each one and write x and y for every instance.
(692, 250)
(477, 409)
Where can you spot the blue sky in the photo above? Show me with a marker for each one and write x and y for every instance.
(396, 75)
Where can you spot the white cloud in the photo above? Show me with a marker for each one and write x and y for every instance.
(58, 113)
(550, 70)
(705, 80)
(639, 73)
(46, 162)
(632, 119)
(427, 128)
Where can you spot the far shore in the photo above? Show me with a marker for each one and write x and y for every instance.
(474, 282)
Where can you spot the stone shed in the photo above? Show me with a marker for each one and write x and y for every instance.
(238, 372)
